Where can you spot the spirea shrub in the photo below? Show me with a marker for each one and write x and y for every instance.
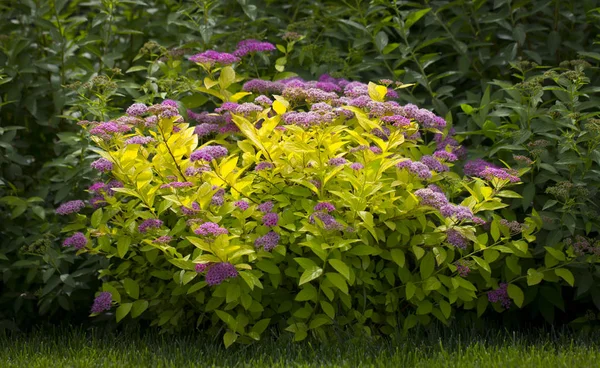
(301, 205)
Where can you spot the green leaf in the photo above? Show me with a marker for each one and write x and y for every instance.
(337, 280)
(445, 308)
(534, 277)
(229, 338)
(328, 309)
(131, 288)
(432, 283)
(260, 326)
(398, 257)
(468, 109)
(427, 265)
(425, 307)
(267, 266)
(305, 263)
(123, 245)
(227, 318)
(123, 310)
(516, 294)
(227, 77)
(309, 292)
(139, 306)
(310, 274)
(483, 264)
(97, 218)
(340, 267)
(410, 290)
(414, 17)
(233, 293)
(566, 275)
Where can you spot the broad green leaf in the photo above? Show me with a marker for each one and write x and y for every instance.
(398, 257)
(310, 274)
(534, 277)
(123, 310)
(340, 267)
(139, 306)
(229, 338)
(123, 245)
(516, 294)
(338, 281)
(427, 265)
(566, 275)
(131, 288)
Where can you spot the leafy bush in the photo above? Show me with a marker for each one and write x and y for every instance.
(548, 121)
(319, 203)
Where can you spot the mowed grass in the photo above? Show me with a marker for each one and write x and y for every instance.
(75, 347)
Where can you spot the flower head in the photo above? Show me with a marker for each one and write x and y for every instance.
(500, 295)
(220, 272)
(324, 206)
(77, 241)
(264, 165)
(265, 207)
(103, 302)
(270, 219)
(268, 241)
(357, 166)
(137, 109)
(337, 161)
(212, 57)
(102, 165)
(242, 205)
(70, 207)
(455, 238)
(246, 47)
(210, 229)
(149, 224)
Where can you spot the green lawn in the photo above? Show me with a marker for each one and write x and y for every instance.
(437, 348)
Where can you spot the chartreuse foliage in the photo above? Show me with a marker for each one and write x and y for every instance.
(303, 213)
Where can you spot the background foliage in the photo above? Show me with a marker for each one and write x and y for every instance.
(61, 61)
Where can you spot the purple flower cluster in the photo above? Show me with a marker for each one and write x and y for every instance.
(308, 119)
(325, 207)
(432, 198)
(220, 272)
(102, 165)
(190, 211)
(425, 117)
(337, 161)
(270, 219)
(260, 86)
(212, 57)
(486, 170)
(201, 267)
(582, 245)
(396, 120)
(177, 184)
(462, 269)
(445, 156)
(219, 197)
(210, 229)
(70, 207)
(77, 240)
(137, 109)
(383, 133)
(268, 241)
(149, 224)
(265, 207)
(208, 153)
(357, 166)
(103, 302)
(263, 100)
(513, 226)
(458, 212)
(500, 295)
(205, 129)
(376, 150)
(263, 166)
(139, 140)
(246, 47)
(242, 205)
(329, 222)
(108, 129)
(191, 171)
(456, 239)
(433, 164)
(417, 168)
(163, 239)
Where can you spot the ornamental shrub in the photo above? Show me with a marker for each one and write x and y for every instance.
(301, 205)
